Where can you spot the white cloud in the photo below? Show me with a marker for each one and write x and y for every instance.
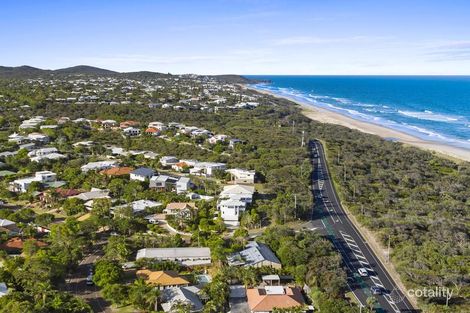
(309, 40)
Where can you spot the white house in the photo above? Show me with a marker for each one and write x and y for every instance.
(139, 206)
(189, 256)
(21, 185)
(142, 174)
(50, 156)
(241, 176)
(97, 166)
(158, 125)
(183, 185)
(206, 168)
(131, 131)
(42, 152)
(230, 210)
(38, 137)
(217, 138)
(162, 181)
(168, 160)
(238, 192)
(18, 139)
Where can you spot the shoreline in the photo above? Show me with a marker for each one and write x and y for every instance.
(326, 116)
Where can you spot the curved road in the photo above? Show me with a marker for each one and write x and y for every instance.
(329, 216)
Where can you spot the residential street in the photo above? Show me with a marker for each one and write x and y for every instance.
(76, 283)
(329, 217)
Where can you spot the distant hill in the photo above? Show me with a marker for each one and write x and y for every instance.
(25, 72)
(21, 72)
(84, 70)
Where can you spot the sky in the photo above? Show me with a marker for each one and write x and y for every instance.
(311, 37)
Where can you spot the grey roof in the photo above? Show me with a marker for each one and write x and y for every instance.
(176, 253)
(181, 294)
(258, 252)
(5, 222)
(143, 171)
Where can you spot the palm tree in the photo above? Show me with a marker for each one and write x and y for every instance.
(371, 302)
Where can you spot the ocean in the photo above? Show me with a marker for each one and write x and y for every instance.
(432, 108)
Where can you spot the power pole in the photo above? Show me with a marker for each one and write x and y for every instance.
(303, 138)
(388, 250)
(295, 206)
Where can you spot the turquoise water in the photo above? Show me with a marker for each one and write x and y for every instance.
(433, 108)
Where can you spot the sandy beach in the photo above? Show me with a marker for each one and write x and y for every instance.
(326, 116)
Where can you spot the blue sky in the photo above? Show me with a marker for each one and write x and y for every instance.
(240, 36)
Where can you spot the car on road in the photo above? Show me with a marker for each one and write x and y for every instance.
(89, 280)
(376, 290)
(363, 272)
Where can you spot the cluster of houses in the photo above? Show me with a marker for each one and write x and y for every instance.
(274, 292)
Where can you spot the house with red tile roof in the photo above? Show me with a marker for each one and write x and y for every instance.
(266, 299)
(16, 244)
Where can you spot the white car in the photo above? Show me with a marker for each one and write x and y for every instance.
(363, 272)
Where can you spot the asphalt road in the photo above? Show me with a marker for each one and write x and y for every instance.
(76, 283)
(329, 217)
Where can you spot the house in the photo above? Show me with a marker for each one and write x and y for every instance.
(44, 177)
(266, 299)
(39, 155)
(233, 142)
(18, 139)
(184, 210)
(168, 160)
(180, 166)
(15, 244)
(158, 125)
(127, 124)
(163, 279)
(255, 254)
(94, 193)
(241, 176)
(183, 185)
(238, 192)
(142, 174)
(42, 152)
(139, 206)
(162, 182)
(217, 138)
(108, 124)
(117, 171)
(3, 289)
(150, 155)
(97, 166)
(185, 256)
(8, 226)
(152, 131)
(206, 168)
(231, 210)
(131, 131)
(50, 156)
(38, 137)
(187, 295)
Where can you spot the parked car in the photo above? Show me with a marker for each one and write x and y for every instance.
(376, 290)
(363, 272)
